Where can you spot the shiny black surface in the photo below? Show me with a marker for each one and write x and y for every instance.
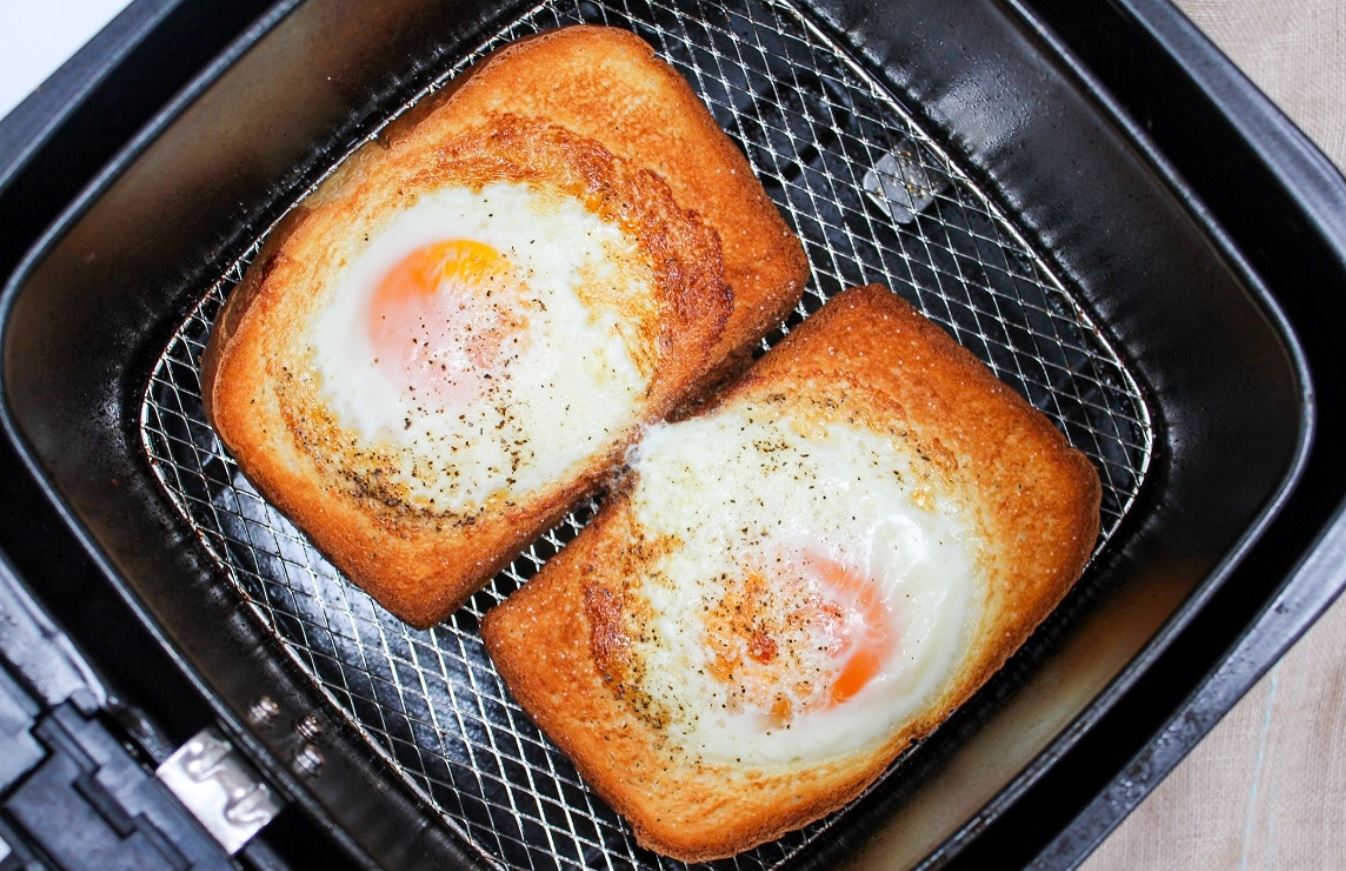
(1223, 296)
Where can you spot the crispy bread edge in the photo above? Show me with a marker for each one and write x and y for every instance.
(423, 573)
(676, 137)
(539, 638)
(769, 270)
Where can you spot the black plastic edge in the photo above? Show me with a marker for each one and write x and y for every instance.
(77, 775)
(1027, 820)
(33, 122)
(83, 81)
(1312, 589)
(48, 662)
(76, 121)
(85, 800)
(70, 788)
(1306, 593)
(1308, 179)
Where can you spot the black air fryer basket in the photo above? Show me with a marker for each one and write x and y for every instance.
(1086, 195)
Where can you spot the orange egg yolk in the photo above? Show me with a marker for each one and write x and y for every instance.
(861, 624)
(807, 637)
(442, 319)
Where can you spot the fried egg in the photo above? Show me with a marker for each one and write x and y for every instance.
(480, 342)
(811, 589)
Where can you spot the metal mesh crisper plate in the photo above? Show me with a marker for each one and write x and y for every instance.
(874, 198)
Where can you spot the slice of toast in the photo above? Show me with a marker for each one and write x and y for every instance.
(607, 84)
(613, 126)
(421, 497)
(793, 586)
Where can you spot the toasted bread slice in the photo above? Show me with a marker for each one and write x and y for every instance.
(634, 128)
(563, 349)
(793, 586)
(607, 84)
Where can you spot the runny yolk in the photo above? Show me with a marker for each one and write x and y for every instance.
(439, 319)
(805, 638)
(862, 621)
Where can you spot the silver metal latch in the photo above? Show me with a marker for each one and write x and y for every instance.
(220, 788)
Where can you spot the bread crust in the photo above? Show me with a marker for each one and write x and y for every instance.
(879, 365)
(422, 565)
(607, 84)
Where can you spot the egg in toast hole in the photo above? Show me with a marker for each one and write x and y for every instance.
(446, 319)
(816, 593)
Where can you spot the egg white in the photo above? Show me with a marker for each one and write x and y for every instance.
(743, 483)
(569, 391)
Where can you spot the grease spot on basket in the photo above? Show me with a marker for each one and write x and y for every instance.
(901, 183)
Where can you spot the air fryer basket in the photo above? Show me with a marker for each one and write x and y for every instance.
(944, 154)
(874, 198)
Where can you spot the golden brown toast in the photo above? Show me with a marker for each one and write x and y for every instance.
(607, 84)
(264, 393)
(699, 709)
(623, 127)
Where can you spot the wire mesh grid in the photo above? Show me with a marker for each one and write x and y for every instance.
(874, 199)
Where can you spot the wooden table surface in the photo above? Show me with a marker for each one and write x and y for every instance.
(1266, 789)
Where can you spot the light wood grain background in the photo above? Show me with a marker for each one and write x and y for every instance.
(1266, 789)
